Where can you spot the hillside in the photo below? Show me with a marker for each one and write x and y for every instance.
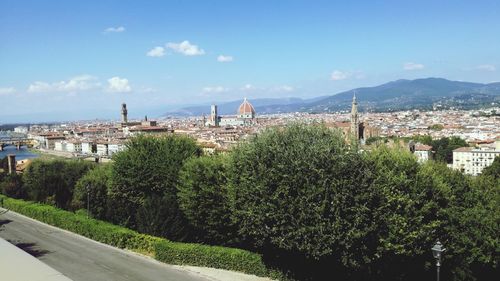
(396, 95)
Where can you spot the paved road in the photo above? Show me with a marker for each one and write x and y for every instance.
(81, 259)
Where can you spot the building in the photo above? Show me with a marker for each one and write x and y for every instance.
(88, 147)
(21, 129)
(60, 145)
(355, 124)
(423, 152)
(74, 146)
(472, 161)
(114, 147)
(124, 113)
(50, 141)
(245, 116)
(102, 148)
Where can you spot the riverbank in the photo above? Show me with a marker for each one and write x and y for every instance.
(50, 154)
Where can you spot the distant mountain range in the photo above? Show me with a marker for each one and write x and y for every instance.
(397, 95)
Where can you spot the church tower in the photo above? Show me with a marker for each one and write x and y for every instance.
(124, 113)
(354, 118)
(214, 119)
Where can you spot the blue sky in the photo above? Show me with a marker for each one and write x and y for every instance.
(81, 59)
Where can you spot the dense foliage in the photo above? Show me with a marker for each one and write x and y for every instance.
(311, 204)
(444, 148)
(203, 198)
(161, 249)
(95, 184)
(146, 173)
(53, 181)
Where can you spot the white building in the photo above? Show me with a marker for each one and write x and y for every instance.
(423, 152)
(472, 161)
(21, 129)
(102, 149)
(60, 145)
(74, 147)
(115, 147)
(87, 147)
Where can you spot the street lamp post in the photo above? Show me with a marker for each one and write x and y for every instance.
(437, 251)
(88, 199)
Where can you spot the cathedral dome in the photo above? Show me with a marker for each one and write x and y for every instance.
(246, 108)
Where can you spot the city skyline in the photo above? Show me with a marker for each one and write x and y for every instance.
(81, 60)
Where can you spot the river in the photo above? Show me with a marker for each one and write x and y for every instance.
(21, 154)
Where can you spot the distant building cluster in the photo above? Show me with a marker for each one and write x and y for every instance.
(245, 116)
(219, 133)
(472, 160)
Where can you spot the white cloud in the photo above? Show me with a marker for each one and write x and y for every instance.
(413, 66)
(7, 91)
(118, 85)
(486, 67)
(283, 89)
(186, 48)
(223, 58)
(248, 87)
(215, 90)
(156, 52)
(75, 84)
(114, 29)
(338, 75)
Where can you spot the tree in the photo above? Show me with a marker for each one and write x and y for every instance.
(98, 181)
(203, 198)
(302, 191)
(493, 170)
(148, 168)
(12, 186)
(53, 181)
(444, 148)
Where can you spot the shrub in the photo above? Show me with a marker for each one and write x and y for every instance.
(203, 198)
(304, 190)
(162, 249)
(148, 168)
(12, 186)
(98, 182)
(210, 256)
(54, 180)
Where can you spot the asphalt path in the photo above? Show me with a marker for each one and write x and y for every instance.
(82, 259)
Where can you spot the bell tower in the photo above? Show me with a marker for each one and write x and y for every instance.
(354, 118)
(124, 113)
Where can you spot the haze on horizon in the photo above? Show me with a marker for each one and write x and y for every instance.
(82, 59)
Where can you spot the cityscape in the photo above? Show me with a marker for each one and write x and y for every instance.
(253, 141)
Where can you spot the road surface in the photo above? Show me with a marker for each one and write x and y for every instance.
(80, 259)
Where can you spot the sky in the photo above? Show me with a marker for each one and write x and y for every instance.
(68, 60)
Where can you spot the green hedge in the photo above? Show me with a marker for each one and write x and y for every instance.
(162, 249)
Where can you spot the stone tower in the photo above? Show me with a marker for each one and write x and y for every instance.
(124, 113)
(354, 118)
(214, 119)
(12, 163)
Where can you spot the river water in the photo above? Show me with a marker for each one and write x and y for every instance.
(21, 154)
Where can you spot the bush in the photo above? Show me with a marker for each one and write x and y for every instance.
(203, 198)
(98, 181)
(54, 180)
(162, 249)
(148, 168)
(12, 186)
(210, 256)
(303, 191)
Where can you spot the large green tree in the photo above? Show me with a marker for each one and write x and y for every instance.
(53, 181)
(146, 170)
(444, 148)
(203, 198)
(303, 191)
(98, 182)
